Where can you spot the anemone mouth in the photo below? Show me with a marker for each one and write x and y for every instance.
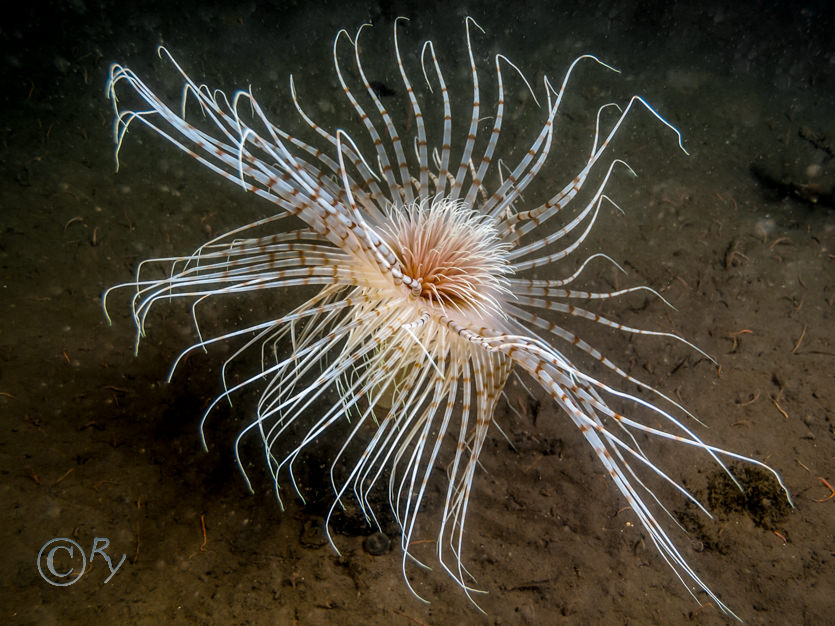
(453, 252)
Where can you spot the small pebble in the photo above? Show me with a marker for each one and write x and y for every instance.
(376, 544)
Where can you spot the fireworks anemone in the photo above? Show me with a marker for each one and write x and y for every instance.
(422, 251)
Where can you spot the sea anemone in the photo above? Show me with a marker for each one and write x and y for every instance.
(421, 250)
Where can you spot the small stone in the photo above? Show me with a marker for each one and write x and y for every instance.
(377, 544)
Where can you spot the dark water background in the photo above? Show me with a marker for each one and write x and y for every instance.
(739, 236)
